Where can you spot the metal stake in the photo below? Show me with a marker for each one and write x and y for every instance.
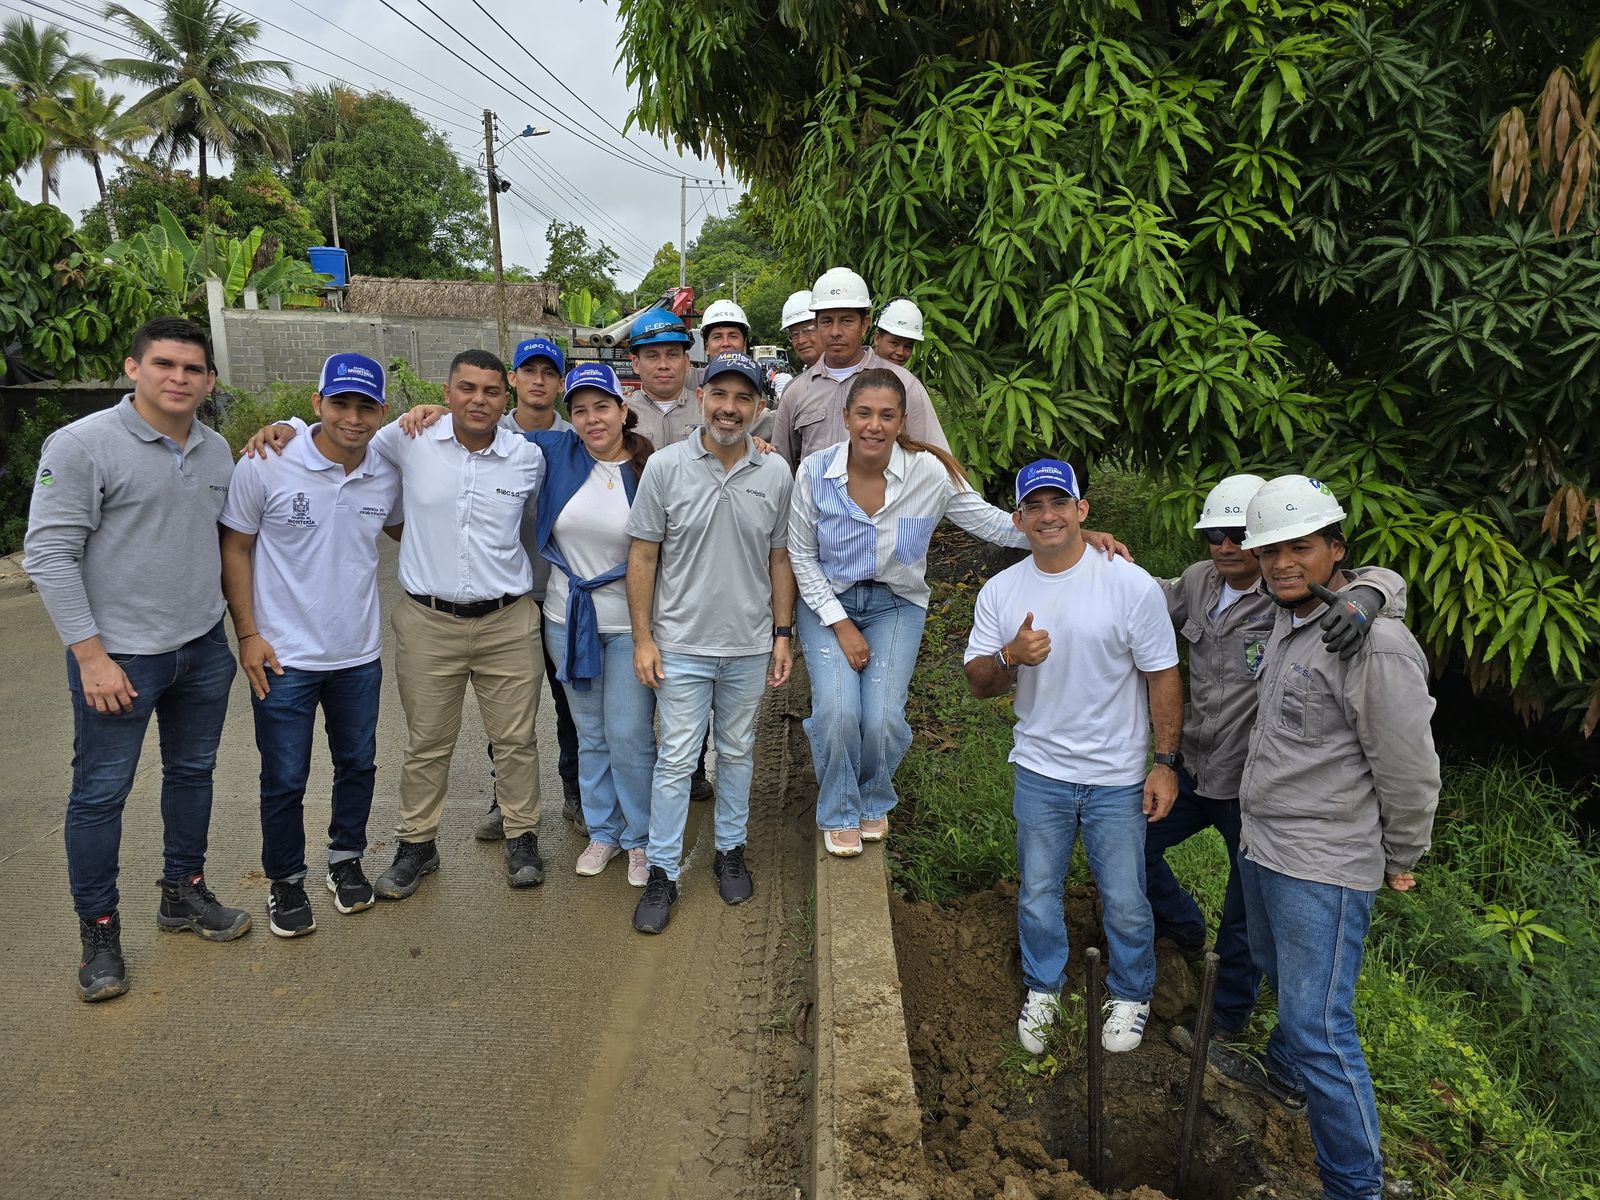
(1096, 1053)
(1197, 1069)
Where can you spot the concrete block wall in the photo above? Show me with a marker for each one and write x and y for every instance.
(263, 345)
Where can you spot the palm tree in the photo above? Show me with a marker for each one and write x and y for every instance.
(89, 124)
(36, 65)
(206, 93)
(330, 112)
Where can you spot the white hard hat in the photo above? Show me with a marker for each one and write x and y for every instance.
(1289, 507)
(839, 287)
(725, 312)
(797, 310)
(1225, 503)
(903, 318)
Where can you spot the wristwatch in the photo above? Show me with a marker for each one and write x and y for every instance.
(785, 631)
(1167, 760)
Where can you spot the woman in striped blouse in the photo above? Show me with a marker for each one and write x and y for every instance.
(862, 514)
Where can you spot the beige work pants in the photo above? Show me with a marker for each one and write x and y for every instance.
(435, 655)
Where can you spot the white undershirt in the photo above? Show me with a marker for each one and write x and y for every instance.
(1230, 596)
(591, 533)
(840, 374)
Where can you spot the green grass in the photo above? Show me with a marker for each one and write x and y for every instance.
(1487, 1066)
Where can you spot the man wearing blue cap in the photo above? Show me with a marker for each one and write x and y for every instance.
(300, 572)
(1085, 699)
(711, 602)
(538, 367)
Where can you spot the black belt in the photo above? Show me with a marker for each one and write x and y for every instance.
(868, 583)
(476, 608)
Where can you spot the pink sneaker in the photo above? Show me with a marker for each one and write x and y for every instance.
(638, 867)
(595, 856)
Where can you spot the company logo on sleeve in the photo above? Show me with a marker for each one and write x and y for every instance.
(47, 478)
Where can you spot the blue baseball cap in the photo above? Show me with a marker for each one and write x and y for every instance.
(593, 375)
(656, 326)
(1047, 473)
(350, 372)
(733, 361)
(539, 348)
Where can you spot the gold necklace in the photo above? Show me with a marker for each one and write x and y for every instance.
(612, 471)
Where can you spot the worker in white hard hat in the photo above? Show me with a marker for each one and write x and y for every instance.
(1225, 615)
(1337, 800)
(724, 329)
(898, 332)
(811, 416)
(800, 324)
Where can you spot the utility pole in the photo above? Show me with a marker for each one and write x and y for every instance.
(736, 287)
(683, 231)
(494, 228)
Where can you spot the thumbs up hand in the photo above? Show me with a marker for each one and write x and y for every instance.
(1030, 647)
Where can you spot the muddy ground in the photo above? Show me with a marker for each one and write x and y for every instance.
(990, 1129)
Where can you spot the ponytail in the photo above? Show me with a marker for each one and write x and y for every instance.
(882, 377)
(639, 447)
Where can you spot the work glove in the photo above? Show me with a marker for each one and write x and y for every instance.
(1349, 616)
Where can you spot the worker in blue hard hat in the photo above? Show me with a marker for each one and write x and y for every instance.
(659, 345)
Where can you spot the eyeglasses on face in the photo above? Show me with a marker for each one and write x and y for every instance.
(1217, 536)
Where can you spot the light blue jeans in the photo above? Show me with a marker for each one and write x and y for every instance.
(695, 689)
(1308, 938)
(1050, 814)
(858, 728)
(616, 740)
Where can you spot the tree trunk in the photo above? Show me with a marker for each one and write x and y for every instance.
(105, 201)
(333, 212)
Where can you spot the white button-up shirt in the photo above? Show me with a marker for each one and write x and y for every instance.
(834, 544)
(464, 511)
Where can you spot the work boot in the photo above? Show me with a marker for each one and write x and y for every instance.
(493, 826)
(289, 910)
(655, 906)
(1237, 1069)
(572, 805)
(700, 788)
(412, 860)
(348, 883)
(189, 904)
(735, 884)
(102, 973)
(524, 867)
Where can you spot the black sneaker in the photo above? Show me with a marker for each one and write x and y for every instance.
(348, 883)
(289, 910)
(655, 906)
(524, 867)
(572, 805)
(1240, 1070)
(493, 826)
(189, 904)
(102, 973)
(735, 884)
(700, 788)
(412, 860)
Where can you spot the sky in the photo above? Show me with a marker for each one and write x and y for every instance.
(632, 209)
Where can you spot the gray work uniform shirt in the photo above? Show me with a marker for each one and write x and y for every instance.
(811, 413)
(122, 532)
(1342, 778)
(1226, 652)
(541, 565)
(665, 428)
(717, 530)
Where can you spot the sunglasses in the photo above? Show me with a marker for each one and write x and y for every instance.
(1217, 536)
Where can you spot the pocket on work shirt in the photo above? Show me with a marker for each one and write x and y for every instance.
(1192, 631)
(1300, 713)
(911, 536)
(1252, 651)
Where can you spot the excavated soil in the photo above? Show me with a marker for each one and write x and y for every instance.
(990, 1130)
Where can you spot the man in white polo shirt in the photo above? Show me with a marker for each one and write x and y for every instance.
(468, 486)
(300, 571)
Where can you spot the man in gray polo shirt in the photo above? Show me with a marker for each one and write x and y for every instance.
(122, 545)
(708, 573)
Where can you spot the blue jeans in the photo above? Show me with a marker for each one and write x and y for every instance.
(858, 728)
(1050, 814)
(616, 740)
(696, 687)
(1177, 915)
(1308, 939)
(285, 722)
(187, 691)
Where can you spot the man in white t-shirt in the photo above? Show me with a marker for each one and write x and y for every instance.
(1087, 643)
(300, 571)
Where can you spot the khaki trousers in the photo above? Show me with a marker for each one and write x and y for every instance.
(435, 655)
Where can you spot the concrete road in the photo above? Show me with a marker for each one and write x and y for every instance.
(469, 1041)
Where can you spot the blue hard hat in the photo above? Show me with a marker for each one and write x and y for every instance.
(593, 375)
(657, 326)
(539, 348)
(350, 372)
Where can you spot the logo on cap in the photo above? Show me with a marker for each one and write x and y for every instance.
(1047, 472)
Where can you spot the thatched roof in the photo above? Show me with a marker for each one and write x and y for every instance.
(526, 303)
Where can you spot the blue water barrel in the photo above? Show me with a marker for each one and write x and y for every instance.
(330, 260)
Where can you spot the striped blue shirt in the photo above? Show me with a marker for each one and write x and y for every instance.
(833, 544)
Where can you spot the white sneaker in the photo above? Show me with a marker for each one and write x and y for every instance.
(1124, 1027)
(595, 856)
(1039, 1012)
(638, 867)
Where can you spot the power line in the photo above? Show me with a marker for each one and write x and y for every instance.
(573, 194)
